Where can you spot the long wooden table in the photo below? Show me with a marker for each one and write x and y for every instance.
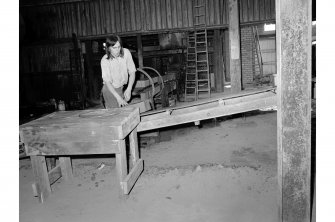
(85, 132)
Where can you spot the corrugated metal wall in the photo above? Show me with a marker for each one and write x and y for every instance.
(57, 19)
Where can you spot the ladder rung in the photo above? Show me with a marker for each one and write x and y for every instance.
(202, 42)
(201, 51)
(202, 61)
(201, 80)
(203, 90)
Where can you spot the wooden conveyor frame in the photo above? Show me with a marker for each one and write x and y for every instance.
(217, 106)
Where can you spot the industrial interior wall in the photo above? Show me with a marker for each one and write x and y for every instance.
(95, 18)
(44, 72)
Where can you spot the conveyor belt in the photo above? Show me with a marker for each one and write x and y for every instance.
(216, 106)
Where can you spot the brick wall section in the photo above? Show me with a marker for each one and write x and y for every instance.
(248, 58)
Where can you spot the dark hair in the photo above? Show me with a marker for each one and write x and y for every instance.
(111, 41)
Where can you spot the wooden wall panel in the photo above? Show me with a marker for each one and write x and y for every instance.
(101, 17)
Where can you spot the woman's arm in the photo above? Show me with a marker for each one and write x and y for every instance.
(127, 93)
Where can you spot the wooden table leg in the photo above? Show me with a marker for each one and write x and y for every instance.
(121, 164)
(137, 164)
(41, 177)
(133, 147)
(66, 167)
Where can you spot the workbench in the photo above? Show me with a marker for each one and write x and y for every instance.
(83, 132)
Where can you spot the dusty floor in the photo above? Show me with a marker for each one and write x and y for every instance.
(223, 171)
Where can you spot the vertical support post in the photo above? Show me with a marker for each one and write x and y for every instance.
(93, 91)
(293, 24)
(41, 176)
(234, 47)
(66, 167)
(226, 55)
(218, 61)
(139, 50)
(121, 164)
(133, 143)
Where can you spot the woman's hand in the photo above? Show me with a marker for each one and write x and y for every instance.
(121, 102)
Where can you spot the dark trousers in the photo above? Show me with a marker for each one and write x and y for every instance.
(109, 99)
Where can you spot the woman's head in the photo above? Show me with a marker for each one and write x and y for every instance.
(114, 47)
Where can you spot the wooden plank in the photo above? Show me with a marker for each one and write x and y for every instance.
(92, 19)
(213, 99)
(234, 47)
(111, 16)
(218, 71)
(126, 11)
(41, 178)
(122, 16)
(179, 14)
(256, 10)
(273, 10)
(217, 12)
(74, 28)
(121, 165)
(88, 25)
(138, 15)
(54, 174)
(133, 15)
(153, 18)
(158, 15)
(62, 12)
(251, 10)
(132, 177)
(78, 14)
(163, 13)
(293, 37)
(133, 143)
(210, 12)
(97, 14)
(66, 168)
(227, 55)
(184, 14)
(174, 17)
(190, 13)
(143, 13)
(212, 103)
(207, 113)
(117, 16)
(168, 14)
(148, 15)
(103, 22)
(262, 10)
(139, 50)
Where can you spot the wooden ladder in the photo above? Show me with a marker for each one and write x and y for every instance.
(197, 83)
(258, 53)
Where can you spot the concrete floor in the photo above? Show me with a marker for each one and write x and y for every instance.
(223, 171)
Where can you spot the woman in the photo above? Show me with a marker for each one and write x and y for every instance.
(116, 65)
